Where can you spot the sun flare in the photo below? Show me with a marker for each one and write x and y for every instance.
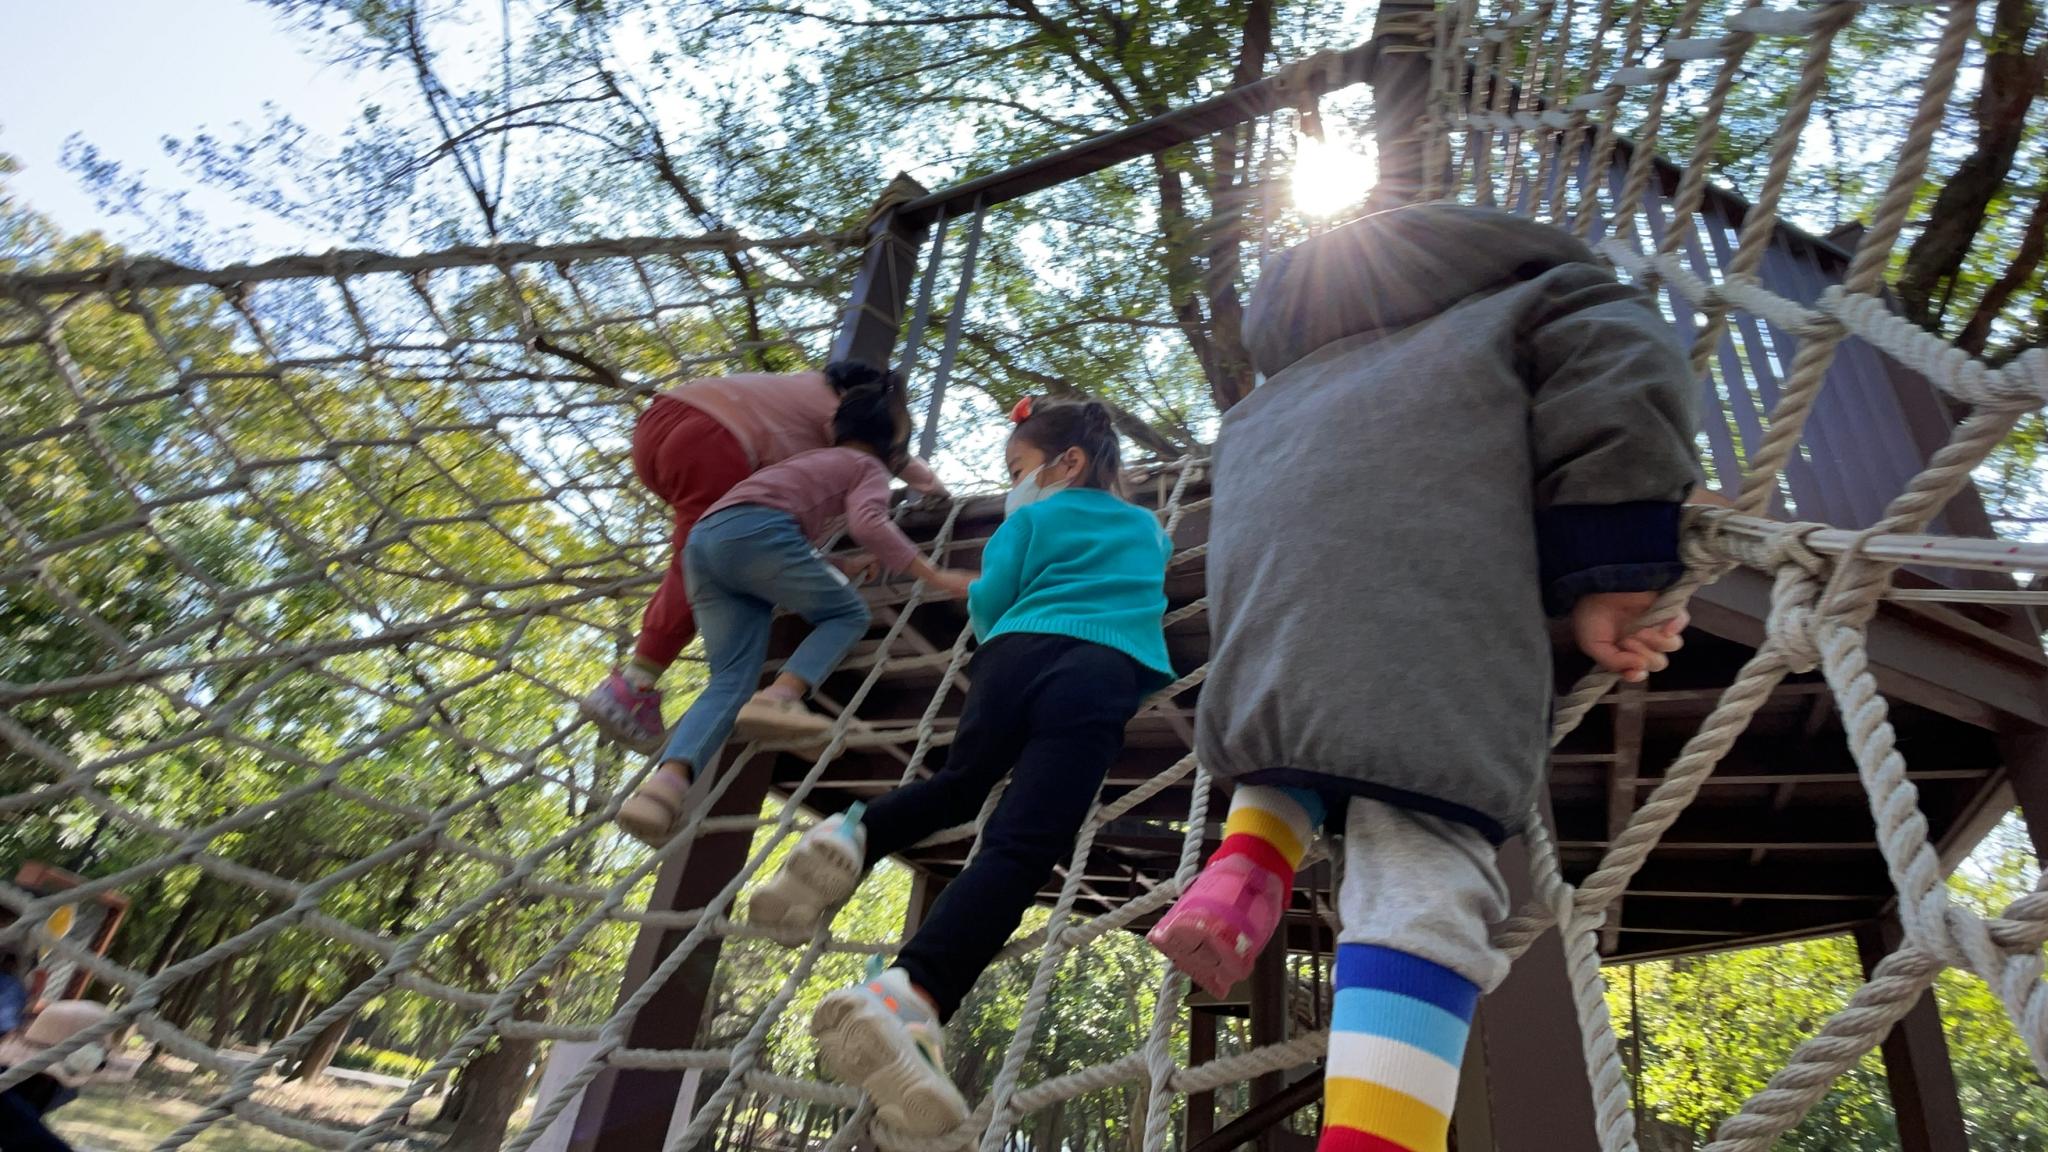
(1333, 173)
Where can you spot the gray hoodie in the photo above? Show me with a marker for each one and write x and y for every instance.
(1465, 421)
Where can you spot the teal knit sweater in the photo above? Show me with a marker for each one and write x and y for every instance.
(1080, 563)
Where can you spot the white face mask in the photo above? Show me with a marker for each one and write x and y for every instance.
(1030, 491)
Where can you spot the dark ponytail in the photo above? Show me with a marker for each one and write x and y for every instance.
(1052, 428)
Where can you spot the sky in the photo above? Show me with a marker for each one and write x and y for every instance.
(124, 74)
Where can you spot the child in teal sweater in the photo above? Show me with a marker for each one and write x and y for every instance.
(1068, 611)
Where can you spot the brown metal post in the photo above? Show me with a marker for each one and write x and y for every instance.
(1201, 1050)
(1916, 1064)
(874, 315)
(1541, 1093)
(1269, 1026)
(629, 1110)
(1400, 96)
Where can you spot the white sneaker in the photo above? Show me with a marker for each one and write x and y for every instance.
(880, 1035)
(823, 869)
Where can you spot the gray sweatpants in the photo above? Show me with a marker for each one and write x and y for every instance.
(1422, 885)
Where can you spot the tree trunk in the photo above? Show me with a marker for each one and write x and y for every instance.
(320, 1053)
(493, 1087)
(183, 1006)
(2033, 244)
(297, 1015)
(255, 1025)
(325, 1045)
(181, 926)
(226, 995)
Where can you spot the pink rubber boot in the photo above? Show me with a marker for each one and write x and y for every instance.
(1220, 924)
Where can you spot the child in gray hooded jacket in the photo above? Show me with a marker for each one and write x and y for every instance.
(1466, 424)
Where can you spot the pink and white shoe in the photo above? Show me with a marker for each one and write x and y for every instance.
(1221, 923)
(623, 713)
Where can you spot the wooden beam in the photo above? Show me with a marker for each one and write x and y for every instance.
(1765, 917)
(1621, 794)
(1157, 134)
(1261, 1122)
(2026, 767)
(1916, 1064)
(1816, 719)
(629, 1109)
(1724, 827)
(1541, 1096)
(874, 314)
(1201, 1050)
(1940, 669)
(1472, 1116)
(1855, 879)
(1787, 779)
(1269, 1026)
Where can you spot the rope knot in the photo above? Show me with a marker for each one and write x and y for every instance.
(1787, 545)
(1703, 544)
(1793, 621)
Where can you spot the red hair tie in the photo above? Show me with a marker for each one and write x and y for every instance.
(1022, 411)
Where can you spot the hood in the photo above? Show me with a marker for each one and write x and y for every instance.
(1391, 270)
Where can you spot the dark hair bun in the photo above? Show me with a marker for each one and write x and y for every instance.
(867, 413)
(847, 375)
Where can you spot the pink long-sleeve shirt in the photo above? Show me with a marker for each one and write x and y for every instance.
(775, 416)
(820, 487)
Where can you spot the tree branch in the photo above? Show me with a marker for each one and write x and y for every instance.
(2012, 80)
(2017, 274)
(436, 93)
(942, 20)
(666, 172)
(1062, 38)
(1130, 425)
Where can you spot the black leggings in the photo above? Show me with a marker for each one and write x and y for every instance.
(1050, 713)
(22, 1109)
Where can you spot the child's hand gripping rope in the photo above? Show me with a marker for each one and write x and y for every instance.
(1603, 627)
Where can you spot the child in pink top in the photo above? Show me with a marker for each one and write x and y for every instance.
(690, 447)
(755, 549)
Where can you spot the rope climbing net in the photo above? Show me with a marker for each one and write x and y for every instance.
(330, 543)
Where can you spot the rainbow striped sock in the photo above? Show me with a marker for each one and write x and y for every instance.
(1397, 1037)
(1272, 826)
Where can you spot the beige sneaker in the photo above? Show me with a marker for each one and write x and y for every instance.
(821, 870)
(780, 722)
(649, 815)
(880, 1036)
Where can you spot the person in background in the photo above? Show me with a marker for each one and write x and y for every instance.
(24, 1106)
(1466, 424)
(13, 992)
(690, 447)
(756, 549)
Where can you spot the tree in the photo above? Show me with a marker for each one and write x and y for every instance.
(1714, 1029)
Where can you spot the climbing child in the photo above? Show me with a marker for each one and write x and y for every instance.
(1068, 611)
(754, 550)
(691, 446)
(1465, 422)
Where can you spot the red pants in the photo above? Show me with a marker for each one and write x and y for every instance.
(691, 461)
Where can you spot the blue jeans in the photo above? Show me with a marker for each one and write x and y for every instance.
(740, 564)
